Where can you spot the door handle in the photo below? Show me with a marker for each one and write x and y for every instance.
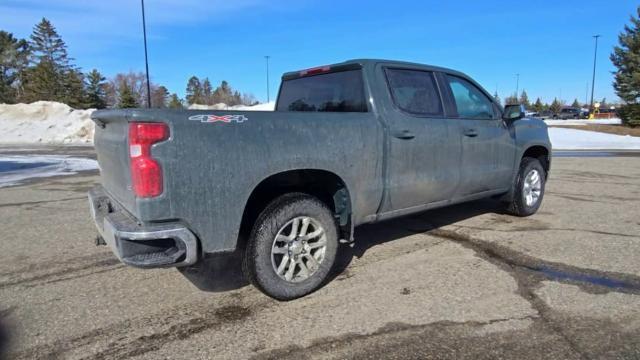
(403, 134)
(470, 133)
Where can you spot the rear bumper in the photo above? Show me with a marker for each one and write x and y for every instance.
(144, 246)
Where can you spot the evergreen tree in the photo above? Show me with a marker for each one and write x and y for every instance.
(73, 93)
(555, 106)
(576, 104)
(13, 62)
(538, 106)
(159, 96)
(497, 98)
(95, 90)
(603, 103)
(174, 102)
(126, 96)
(194, 91)
(207, 92)
(626, 58)
(51, 75)
(511, 100)
(524, 99)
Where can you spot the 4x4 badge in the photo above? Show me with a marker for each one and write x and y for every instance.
(219, 118)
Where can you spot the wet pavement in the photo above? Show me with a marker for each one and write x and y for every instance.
(466, 281)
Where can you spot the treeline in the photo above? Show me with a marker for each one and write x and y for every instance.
(40, 68)
(555, 106)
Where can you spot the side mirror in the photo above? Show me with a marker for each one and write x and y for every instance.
(513, 112)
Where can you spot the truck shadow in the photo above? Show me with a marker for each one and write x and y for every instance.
(369, 236)
(220, 273)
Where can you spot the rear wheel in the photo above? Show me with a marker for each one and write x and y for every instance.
(528, 188)
(292, 247)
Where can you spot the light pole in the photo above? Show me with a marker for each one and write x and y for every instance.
(267, 59)
(146, 59)
(593, 78)
(517, 86)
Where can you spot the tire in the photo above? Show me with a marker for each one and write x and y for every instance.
(268, 263)
(521, 204)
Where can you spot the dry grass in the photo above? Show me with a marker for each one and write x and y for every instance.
(609, 129)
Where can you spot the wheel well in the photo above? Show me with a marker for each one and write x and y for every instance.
(325, 185)
(541, 153)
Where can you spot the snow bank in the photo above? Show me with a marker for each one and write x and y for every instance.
(48, 122)
(44, 166)
(45, 122)
(572, 139)
(260, 107)
(614, 121)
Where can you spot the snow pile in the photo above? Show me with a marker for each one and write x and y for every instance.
(614, 121)
(45, 122)
(572, 139)
(260, 107)
(24, 167)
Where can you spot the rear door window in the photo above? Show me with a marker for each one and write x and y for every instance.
(471, 102)
(331, 92)
(415, 91)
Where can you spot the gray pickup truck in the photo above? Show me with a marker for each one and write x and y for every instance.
(348, 144)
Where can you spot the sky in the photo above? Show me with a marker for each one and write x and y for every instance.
(549, 43)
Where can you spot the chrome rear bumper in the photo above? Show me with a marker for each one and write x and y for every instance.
(145, 246)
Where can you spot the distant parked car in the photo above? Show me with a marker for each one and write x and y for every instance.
(544, 114)
(568, 113)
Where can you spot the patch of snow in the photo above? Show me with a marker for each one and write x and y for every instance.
(49, 165)
(573, 139)
(45, 122)
(578, 122)
(260, 107)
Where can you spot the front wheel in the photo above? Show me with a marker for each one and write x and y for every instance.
(528, 188)
(292, 247)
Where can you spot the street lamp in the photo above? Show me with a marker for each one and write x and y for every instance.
(267, 58)
(593, 79)
(146, 59)
(517, 86)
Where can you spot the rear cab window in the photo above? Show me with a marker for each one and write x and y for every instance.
(340, 91)
(415, 91)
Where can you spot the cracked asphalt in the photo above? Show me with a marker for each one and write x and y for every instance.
(462, 282)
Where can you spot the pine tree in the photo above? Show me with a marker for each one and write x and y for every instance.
(626, 58)
(207, 92)
(95, 90)
(174, 102)
(159, 96)
(555, 106)
(51, 75)
(603, 103)
(73, 93)
(126, 96)
(524, 99)
(538, 106)
(575, 104)
(497, 98)
(511, 100)
(13, 62)
(194, 91)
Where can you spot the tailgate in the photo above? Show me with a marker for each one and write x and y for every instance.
(112, 148)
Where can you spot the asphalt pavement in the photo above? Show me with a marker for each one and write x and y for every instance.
(467, 281)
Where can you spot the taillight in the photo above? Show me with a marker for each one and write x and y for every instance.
(146, 173)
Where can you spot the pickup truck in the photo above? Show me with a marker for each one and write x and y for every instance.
(351, 143)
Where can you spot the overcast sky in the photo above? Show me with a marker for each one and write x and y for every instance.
(548, 43)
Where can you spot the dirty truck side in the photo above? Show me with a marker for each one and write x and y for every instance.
(350, 143)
